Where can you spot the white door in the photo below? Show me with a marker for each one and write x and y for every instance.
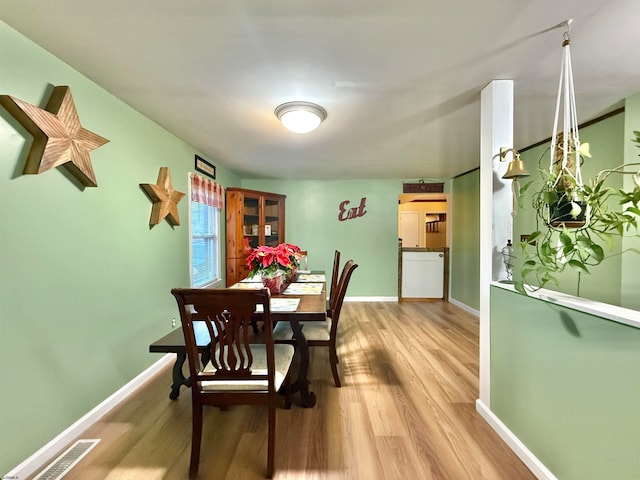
(422, 274)
(409, 229)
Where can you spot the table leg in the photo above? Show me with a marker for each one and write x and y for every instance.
(178, 378)
(307, 398)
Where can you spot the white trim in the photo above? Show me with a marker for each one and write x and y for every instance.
(607, 311)
(370, 299)
(395, 299)
(520, 449)
(464, 306)
(218, 283)
(44, 455)
(496, 131)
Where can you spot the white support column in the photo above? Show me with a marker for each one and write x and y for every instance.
(496, 130)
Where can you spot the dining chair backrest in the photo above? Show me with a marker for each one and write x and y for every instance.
(333, 290)
(236, 372)
(343, 284)
(226, 313)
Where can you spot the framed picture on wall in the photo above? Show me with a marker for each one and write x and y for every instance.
(205, 167)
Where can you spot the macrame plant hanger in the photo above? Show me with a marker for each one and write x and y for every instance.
(566, 96)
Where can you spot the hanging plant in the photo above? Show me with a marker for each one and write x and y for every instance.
(611, 212)
(565, 188)
(565, 191)
(573, 219)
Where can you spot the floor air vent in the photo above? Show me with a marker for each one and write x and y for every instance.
(61, 465)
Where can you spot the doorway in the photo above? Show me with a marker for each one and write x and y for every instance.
(423, 246)
(423, 220)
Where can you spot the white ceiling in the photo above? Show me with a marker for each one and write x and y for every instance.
(400, 79)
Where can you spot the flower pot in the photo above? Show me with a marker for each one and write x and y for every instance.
(561, 212)
(293, 273)
(274, 282)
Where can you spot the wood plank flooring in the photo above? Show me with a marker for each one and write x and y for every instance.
(406, 411)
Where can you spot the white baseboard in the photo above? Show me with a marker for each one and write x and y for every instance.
(49, 451)
(514, 443)
(370, 299)
(395, 299)
(464, 306)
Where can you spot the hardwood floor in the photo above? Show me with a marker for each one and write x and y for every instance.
(406, 411)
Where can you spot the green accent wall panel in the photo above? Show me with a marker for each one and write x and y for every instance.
(312, 222)
(631, 264)
(567, 384)
(84, 282)
(465, 241)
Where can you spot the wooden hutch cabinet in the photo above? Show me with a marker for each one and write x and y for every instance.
(253, 218)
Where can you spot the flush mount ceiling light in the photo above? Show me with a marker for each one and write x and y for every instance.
(300, 117)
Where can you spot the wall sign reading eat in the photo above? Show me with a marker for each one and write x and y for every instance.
(347, 213)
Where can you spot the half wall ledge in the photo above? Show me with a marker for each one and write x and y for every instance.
(607, 311)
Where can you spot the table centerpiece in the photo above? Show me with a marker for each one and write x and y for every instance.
(275, 265)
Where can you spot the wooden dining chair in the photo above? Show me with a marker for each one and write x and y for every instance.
(322, 334)
(237, 372)
(334, 281)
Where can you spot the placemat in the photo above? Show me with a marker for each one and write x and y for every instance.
(311, 277)
(304, 289)
(248, 285)
(281, 305)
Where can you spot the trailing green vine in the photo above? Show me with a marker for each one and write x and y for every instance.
(557, 245)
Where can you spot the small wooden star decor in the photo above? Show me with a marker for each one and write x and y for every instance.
(58, 137)
(165, 199)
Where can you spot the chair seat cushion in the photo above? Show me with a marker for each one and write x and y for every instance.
(283, 355)
(313, 331)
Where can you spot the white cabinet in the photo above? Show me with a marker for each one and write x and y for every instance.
(422, 274)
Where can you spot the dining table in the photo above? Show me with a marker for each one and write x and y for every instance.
(302, 300)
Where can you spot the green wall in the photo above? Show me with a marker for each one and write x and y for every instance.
(84, 281)
(606, 140)
(465, 241)
(631, 264)
(566, 384)
(312, 210)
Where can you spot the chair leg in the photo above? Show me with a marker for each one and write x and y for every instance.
(271, 438)
(196, 438)
(333, 360)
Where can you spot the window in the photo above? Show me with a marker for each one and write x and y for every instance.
(204, 244)
(204, 220)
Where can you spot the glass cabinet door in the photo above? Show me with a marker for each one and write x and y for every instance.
(251, 222)
(271, 222)
(253, 219)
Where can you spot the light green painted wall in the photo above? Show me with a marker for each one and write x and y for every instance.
(84, 282)
(607, 150)
(465, 241)
(631, 264)
(566, 384)
(312, 210)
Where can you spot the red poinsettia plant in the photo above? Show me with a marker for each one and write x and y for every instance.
(265, 260)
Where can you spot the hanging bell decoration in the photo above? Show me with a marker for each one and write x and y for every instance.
(515, 169)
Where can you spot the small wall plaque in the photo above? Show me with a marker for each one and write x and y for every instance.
(423, 187)
(205, 167)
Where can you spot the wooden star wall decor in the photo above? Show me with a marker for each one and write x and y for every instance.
(165, 199)
(58, 137)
